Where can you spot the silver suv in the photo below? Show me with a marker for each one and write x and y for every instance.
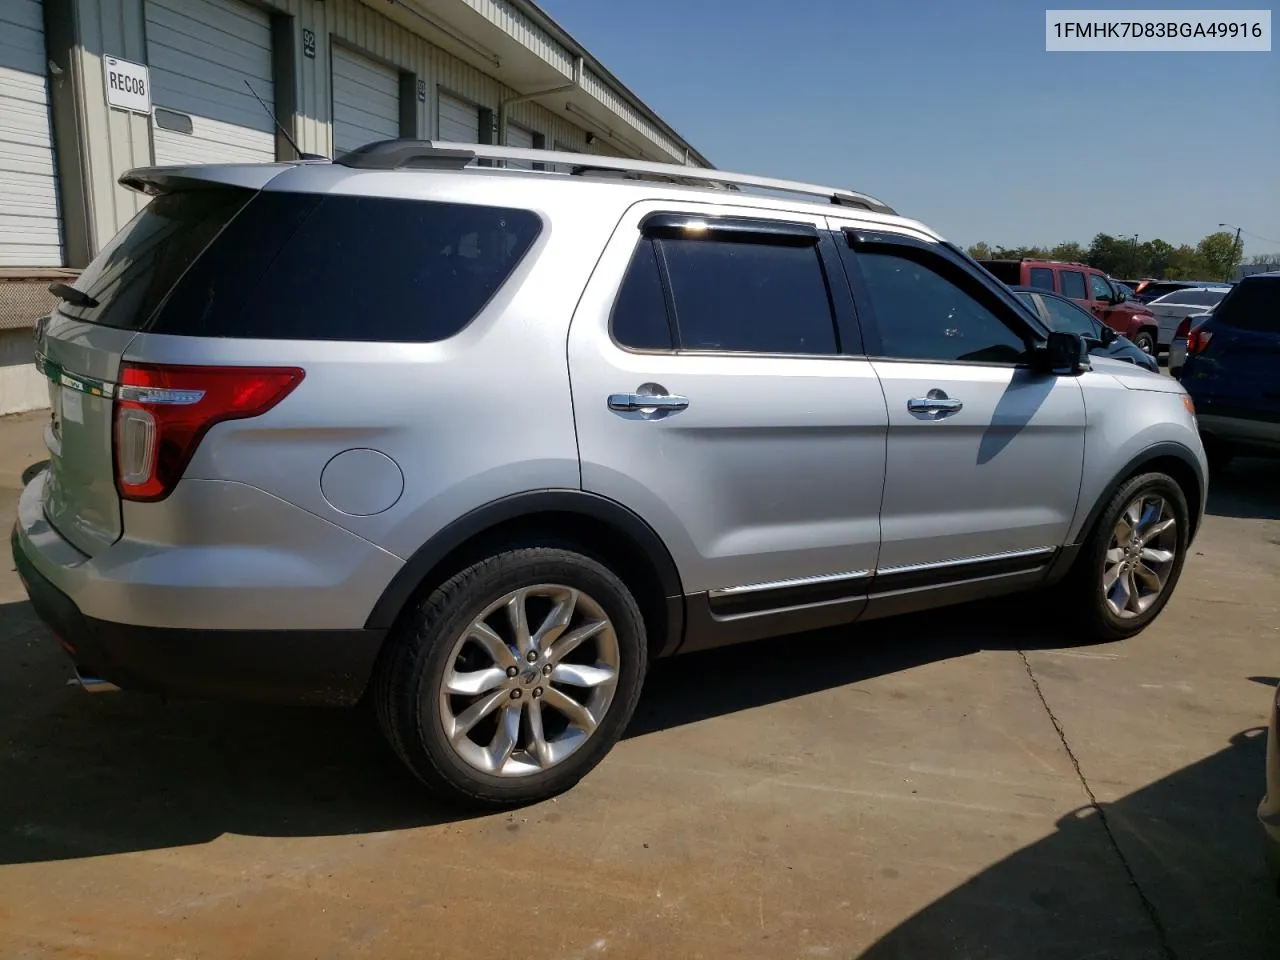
(478, 443)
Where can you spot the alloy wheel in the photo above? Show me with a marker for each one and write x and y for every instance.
(1140, 556)
(518, 699)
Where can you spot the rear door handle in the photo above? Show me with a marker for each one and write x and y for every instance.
(644, 401)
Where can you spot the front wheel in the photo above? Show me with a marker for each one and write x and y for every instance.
(1145, 342)
(1131, 562)
(511, 681)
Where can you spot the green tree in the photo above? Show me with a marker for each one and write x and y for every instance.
(1071, 252)
(1219, 255)
(1184, 264)
(1155, 257)
(980, 251)
(1107, 253)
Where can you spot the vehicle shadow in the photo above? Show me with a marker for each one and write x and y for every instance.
(1246, 489)
(1191, 840)
(85, 775)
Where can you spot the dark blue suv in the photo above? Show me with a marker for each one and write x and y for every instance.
(1232, 371)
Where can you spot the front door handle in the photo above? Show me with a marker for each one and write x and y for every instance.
(934, 405)
(645, 401)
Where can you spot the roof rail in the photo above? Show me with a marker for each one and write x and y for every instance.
(442, 154)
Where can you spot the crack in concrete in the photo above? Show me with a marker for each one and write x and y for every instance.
(1150, 908)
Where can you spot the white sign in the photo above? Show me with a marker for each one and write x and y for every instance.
(128, 84)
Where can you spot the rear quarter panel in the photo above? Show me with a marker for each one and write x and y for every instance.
(468, 420)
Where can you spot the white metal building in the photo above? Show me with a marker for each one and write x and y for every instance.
(91, 88)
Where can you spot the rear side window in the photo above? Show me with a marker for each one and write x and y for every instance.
(640, 313)
(141, 264)
(311, 267)
(1253, 304)
(1072, 284)
(1042, 277)
(749, 297)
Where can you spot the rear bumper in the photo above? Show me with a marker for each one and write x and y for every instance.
(322, 667)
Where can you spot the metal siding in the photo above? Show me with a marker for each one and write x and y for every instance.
(29, 230)
(519, 27)
(366, 101)
(201, 53)
(620, 108)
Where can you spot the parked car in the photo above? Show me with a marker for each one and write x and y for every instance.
(1060, 313)
(1087, 286)
(1173, 307)
(1153, 289)
(1232, 371)
(478, 443)
(1178, 349)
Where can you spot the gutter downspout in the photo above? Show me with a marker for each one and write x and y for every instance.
(521, 98)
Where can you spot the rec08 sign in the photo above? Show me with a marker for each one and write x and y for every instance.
(128, 85)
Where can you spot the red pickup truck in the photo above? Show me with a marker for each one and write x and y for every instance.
(1087, 286)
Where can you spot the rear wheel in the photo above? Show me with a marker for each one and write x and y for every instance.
(512, 680)
(1129, 566)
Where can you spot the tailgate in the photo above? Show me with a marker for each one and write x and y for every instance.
(80, 348)
(81, 361)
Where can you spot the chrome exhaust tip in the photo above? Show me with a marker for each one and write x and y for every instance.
(91, 684)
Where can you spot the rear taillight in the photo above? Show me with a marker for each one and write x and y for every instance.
(1183, 327)
(1197, 340)
(162, 412)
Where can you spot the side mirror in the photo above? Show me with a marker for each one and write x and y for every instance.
(1107, 336)
(1063, 353)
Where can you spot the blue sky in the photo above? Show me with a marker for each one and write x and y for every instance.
(954, 113)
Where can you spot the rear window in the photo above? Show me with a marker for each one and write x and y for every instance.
(312, 267)
(141, 264)
(1253, 304)
(1006, 271)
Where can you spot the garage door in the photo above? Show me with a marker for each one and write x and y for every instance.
(459, 120)
(29, 234)
(201, 52)
(366, 101)
(522, 138)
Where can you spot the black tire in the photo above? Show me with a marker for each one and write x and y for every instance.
(413, 665)
(1082, 589)
(1145, 341)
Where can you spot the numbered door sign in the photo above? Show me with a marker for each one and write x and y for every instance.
(128, 85)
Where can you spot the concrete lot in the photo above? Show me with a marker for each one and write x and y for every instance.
(905, 790)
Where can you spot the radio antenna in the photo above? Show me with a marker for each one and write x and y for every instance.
(280, 127)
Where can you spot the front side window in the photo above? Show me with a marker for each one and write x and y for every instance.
(1072, 284)
(751, 297)
(1042, 277)
(1099, 288)
(923, 313)
(1066, 317)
